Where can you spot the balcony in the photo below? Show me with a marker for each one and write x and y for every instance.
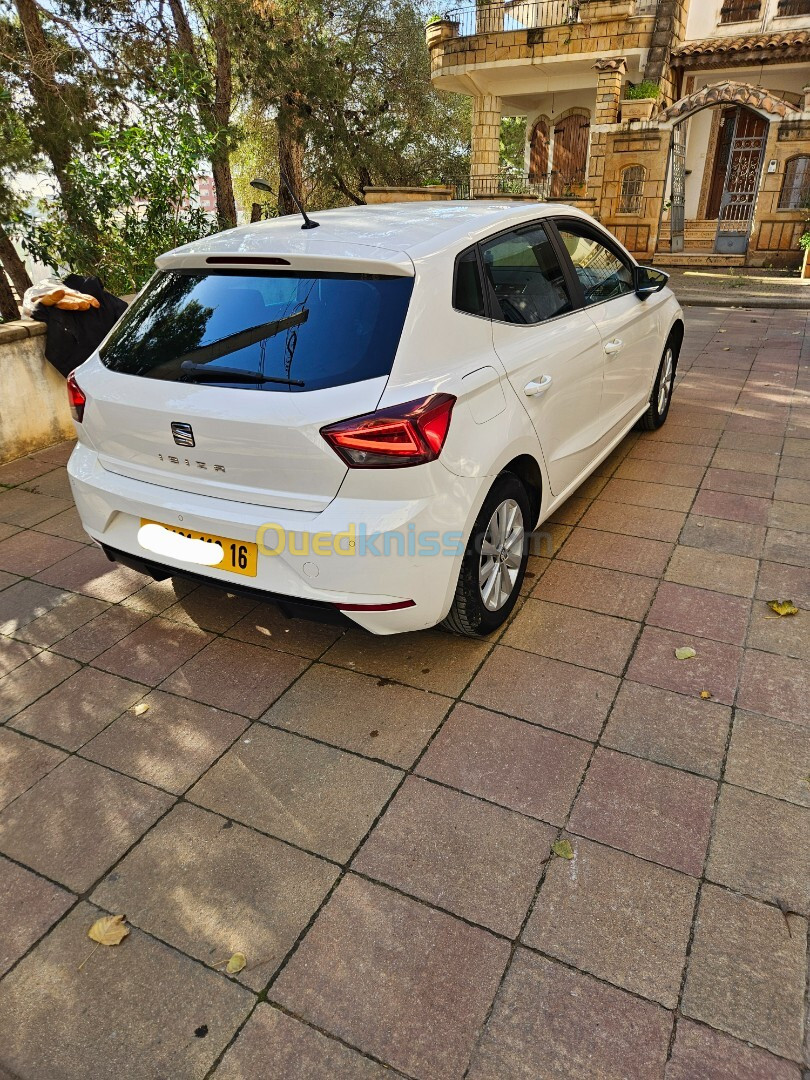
(513, 184)
(512, 15)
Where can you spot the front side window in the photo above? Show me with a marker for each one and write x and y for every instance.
(795, 193)
(525, 275)
(601, 273)
(468, 294)
(286, 331)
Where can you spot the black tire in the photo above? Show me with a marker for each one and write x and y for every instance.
(470, 614)
(658, 408)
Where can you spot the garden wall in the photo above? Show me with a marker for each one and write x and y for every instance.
(34, 410)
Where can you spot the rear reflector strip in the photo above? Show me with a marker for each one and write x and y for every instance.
(396, 606)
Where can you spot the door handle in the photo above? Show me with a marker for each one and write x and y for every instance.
(538, 386)
(612, 347)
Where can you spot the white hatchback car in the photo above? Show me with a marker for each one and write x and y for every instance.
(370, 416)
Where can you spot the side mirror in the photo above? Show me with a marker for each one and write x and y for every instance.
(649, 281)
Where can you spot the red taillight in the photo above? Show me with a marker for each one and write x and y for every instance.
(76, 398)
(408, 434)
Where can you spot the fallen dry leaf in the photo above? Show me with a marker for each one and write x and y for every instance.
(783, 607)
(139, 710)
(685, 653)
(236, 963)
(705, 694)
(562, 849)
(108, 930)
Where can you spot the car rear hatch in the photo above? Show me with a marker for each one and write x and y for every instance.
(219, 378)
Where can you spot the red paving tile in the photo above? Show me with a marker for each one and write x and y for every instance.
(714, 668)
(544, 691)
(476, 860)
(649, 810)
(552, 1023)
(392, 977)
(507, 761)
(732, 506)
(699, 611)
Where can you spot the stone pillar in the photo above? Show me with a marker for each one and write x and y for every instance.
(486, 142)
(610, 73)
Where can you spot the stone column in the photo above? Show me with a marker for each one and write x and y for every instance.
(486, 141)
(610, 73)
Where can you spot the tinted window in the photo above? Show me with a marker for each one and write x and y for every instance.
(601, 273)
(467, 292)
(526, 276)
(267, 331)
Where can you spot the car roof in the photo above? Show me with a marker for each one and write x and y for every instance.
(381, 233)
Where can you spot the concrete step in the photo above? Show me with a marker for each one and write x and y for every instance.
(697, 258)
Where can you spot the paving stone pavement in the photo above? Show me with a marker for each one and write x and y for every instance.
(370, 820)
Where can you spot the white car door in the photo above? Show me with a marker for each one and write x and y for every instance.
(629, 326)
(551, 351)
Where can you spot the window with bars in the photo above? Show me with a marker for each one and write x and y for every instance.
(632, 189)
(740, 10)
(795, 193)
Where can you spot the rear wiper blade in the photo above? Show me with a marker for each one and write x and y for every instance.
(202, 373)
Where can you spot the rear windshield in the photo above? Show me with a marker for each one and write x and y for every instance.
(286, 332)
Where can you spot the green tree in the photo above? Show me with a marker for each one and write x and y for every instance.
(513, 143)
(132, 192)
(16, 153)
(57, 91)
(349, 84)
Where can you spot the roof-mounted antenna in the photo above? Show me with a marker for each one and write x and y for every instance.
(262, 185)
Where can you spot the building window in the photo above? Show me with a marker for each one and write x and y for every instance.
(632, 189)
(795, 193)
(739, 10)
(793, 7)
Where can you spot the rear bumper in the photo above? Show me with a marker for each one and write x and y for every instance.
(308, 575)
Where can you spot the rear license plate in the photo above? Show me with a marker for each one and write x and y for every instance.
(240, 555)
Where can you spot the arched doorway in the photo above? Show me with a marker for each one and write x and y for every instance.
(538, 151)
(570, 152)
(734, 168)
(735, 177)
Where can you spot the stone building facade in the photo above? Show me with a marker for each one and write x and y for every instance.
(683, 125)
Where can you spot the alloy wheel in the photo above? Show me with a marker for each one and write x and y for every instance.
(501, 555)
(667, 376)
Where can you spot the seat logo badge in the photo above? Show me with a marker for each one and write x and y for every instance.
(183, 435)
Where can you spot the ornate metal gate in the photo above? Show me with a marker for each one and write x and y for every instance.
(741, 183)
(678, 190)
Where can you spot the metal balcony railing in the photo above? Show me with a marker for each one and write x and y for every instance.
(551, 186)
(512, 15)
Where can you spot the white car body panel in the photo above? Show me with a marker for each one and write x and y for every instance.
(288, 476)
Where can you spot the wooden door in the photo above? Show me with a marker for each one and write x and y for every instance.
(538, 159)
(570, 154)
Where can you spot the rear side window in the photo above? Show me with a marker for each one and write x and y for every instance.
(286, 332)
(526, 276)
(467, 292)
